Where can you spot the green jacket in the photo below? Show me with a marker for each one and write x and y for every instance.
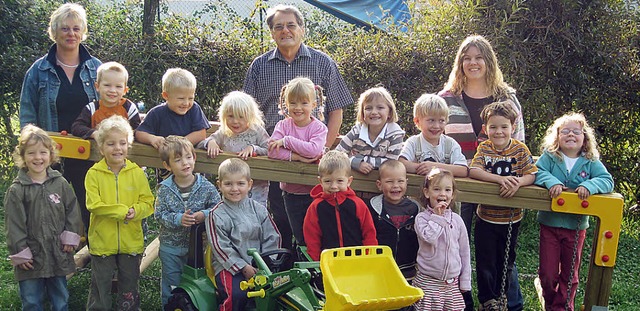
(109, 198)
(590, 174)
(36, 215)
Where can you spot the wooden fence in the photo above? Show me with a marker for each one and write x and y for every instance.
(606, 208)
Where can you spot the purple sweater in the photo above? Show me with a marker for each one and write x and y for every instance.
(306, 141)
(444, 251)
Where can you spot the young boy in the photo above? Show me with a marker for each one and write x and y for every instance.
(233, 226)
(111, 85)
(431, 148)
(180, 115)
(333, 197)
(394, 215)
(183, 200)
(119, 198)
(507, 162)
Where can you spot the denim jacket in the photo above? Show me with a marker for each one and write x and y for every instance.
(40, 90)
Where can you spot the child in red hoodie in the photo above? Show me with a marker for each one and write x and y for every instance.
(337, 217)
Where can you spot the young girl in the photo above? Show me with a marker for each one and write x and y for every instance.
(569, 162)
(42, 222)
(118, 198)
(299, 137)
(241, 132)
(444, 256)
(376, 136)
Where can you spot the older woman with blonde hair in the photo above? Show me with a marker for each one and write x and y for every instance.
(58, 85)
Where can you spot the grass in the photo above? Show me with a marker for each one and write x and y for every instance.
(78, 285)
(625, 292)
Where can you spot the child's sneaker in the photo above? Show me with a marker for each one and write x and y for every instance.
(492, 305)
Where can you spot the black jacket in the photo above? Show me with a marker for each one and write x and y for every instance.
(403, 241)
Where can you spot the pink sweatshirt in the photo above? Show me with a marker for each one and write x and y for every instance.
(306, 141)
(444, 251)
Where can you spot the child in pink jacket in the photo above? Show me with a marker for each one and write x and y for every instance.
(444, 256)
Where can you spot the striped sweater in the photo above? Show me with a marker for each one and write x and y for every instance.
(93, 113)
(461, 129)
(515, 160)
(360, 148)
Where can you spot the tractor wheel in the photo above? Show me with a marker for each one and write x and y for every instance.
(180, 301)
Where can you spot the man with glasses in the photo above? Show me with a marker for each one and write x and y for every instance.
(269, 72)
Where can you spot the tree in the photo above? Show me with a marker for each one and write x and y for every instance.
(23, 40)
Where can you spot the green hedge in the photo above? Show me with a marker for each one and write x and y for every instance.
(560, 55)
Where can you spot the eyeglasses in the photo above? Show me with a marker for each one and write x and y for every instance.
(68, 29)
(574, 131)
(290, 27)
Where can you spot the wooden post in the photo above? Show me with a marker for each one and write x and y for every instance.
(599, 280)
(81, 258)
(150, 254)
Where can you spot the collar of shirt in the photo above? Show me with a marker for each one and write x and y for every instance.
(364, 135)
(302, 51)
(425, 142)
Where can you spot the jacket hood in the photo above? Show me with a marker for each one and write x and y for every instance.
(377, 202)
(168, 182)
(318, 193)
(581, 158)
(24, 179)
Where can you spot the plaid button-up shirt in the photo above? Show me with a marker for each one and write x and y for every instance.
(269, 72)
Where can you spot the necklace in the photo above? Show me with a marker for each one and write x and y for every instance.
(65, 65)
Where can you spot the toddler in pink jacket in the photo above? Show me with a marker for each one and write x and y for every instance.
(444, 256)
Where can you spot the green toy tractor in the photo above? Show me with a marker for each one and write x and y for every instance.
(279, 290)
(355, 278)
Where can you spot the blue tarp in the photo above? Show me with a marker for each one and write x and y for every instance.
(366, 13)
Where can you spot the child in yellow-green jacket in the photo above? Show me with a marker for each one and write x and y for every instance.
(118, 198)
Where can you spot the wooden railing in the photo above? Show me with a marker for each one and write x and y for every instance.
(606, 208)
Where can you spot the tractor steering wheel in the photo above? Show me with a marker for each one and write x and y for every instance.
(275, 259)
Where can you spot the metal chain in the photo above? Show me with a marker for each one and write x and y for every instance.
(82, 270)
(502, 303)
(573, 264)
(149, 278)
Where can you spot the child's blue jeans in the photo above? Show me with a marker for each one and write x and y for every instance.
(32, 291)
(171, 272)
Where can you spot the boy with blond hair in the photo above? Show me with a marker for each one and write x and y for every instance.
(336, 217)
(119, 198)
(233, 226)
(431, 148)
(111, 85)
(394, 215)
(180, 115)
